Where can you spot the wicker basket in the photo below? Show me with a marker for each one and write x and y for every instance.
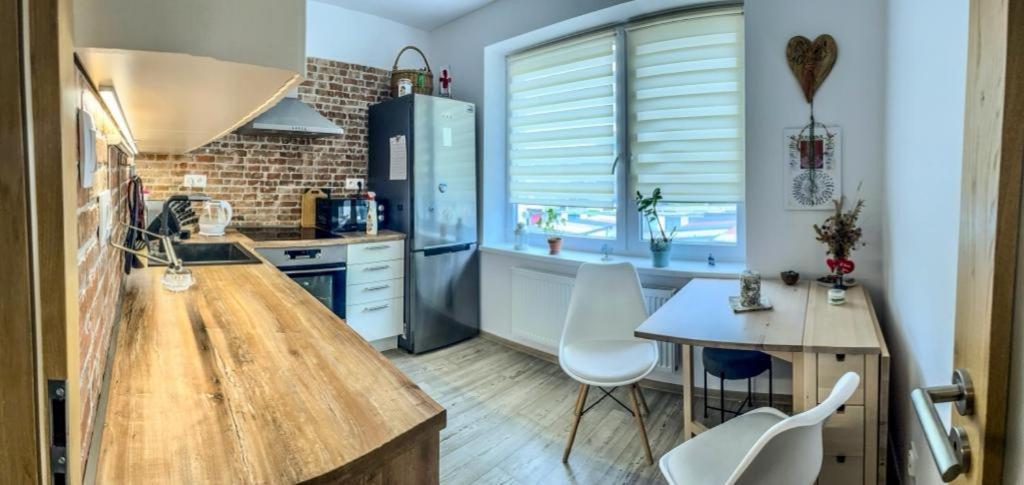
(422, 79)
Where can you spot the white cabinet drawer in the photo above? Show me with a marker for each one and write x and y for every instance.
(376, 320)
(374, 291)
(365, 273)
(375, 252)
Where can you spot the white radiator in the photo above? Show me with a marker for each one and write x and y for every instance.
(540, 301)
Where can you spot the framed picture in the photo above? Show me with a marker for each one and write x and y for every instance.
(813, 166)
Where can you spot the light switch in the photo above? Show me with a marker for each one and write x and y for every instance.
(103, 201)
(353, 184)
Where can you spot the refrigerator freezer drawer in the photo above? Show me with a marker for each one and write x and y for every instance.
(376, 320)
(374, 252)
(380, 271)
(375, 291)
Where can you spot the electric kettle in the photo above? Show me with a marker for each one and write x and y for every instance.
(215, 217)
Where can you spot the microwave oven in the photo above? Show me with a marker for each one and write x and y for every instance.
(345, 215)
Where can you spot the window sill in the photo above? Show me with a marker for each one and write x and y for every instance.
(677, 268)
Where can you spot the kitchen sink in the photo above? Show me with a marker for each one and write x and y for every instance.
(208, 254)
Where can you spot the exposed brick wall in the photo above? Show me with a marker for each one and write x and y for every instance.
(263, 177)
(100, 276)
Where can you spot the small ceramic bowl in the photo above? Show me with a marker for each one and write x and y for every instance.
(790, 277)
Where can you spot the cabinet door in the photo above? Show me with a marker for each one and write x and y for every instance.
(376, 320)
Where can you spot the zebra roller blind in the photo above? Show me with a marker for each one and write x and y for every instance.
(685, 106)
(561, 123)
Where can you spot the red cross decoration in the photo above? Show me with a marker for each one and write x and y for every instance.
(446, 82)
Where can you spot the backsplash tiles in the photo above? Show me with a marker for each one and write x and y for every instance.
(263, 177)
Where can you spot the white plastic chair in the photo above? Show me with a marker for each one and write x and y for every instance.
(598, 347)
(763, 446)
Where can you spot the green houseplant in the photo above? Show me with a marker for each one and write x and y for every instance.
(549, 221)
(661, 243)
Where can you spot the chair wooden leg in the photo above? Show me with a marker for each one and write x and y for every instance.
(581, 400)
(640, 422)
(643, 401)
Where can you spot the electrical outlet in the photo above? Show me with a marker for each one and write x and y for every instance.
(194, 181)
(353, 184)
(912, 461)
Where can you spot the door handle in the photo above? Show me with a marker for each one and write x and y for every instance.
(952, 451)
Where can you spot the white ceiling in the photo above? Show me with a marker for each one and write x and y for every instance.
(422, 14)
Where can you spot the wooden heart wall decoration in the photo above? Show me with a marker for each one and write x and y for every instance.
(811, 62)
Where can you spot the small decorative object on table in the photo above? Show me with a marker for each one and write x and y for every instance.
(520, 234)
(549, 221)
(842, 236)
(606, 251)
(711, 259)
(750, 298)
(790, 277)
(661, 244)
(836, 296)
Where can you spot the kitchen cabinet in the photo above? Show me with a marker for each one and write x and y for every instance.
(375, 289)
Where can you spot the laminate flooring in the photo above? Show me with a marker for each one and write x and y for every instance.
(509, 415)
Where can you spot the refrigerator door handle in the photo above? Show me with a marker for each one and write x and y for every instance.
(449, 248)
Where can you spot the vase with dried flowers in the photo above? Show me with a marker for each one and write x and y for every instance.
(841, 235)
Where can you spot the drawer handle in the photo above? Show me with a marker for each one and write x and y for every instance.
(376, 288)
(840, 357)
(375, 308)
(377, 268)
(377, 247)
(840, 459)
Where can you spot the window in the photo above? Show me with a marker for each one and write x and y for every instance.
(561, 132)
(653, 104)
(685, 107)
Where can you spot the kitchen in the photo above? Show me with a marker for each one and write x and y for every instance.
(338, 241)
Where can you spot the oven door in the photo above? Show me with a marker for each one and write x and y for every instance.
(325, 282)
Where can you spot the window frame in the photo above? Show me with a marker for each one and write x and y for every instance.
(628, 241)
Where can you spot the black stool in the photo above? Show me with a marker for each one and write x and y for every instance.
(735, 364)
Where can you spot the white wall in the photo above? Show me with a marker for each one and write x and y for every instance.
(851, 97)
(337, 33)
(924, 111)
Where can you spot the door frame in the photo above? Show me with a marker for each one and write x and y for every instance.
(20, 435)
(989, 220)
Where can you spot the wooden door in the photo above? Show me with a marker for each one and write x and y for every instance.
(990, 214)
(39, 359)
(19, 433)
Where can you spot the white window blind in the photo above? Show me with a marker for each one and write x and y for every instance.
(561, 123)
(685, 103)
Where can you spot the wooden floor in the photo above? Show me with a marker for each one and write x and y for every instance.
(509, 415)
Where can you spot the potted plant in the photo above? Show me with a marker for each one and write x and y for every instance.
(549, 223)
(841, 235)
(661, 244)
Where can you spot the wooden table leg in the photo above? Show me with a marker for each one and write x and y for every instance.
(687, 392)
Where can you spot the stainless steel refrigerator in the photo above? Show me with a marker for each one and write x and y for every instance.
(422, 166)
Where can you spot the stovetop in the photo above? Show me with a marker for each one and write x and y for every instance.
(286, 233)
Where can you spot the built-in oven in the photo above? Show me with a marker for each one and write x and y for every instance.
(319, 270)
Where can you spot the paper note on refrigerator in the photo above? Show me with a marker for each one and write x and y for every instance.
(398, 158)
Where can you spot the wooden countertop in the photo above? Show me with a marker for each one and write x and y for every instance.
(246, 378)
(801, 319)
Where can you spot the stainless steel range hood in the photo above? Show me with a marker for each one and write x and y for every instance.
(290, 117)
